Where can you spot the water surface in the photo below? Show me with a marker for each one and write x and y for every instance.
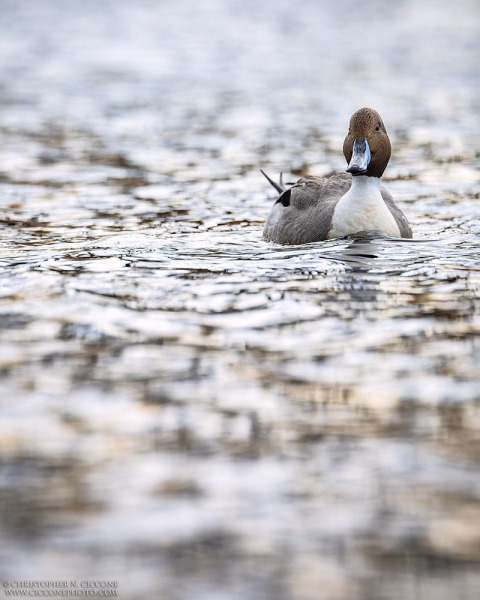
(190, 410)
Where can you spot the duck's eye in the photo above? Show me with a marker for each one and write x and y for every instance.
(377, 128)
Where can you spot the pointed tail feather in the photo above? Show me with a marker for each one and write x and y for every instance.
(279, 187)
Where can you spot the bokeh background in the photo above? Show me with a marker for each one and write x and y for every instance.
(184, 408)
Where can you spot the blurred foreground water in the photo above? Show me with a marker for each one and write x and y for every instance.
(193, 412)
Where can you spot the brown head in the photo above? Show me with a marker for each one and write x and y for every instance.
(367, 148)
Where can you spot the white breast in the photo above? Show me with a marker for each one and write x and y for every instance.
(362, 208)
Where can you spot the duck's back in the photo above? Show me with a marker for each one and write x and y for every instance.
(303, 213)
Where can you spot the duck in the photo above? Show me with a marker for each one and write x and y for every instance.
(321, 208)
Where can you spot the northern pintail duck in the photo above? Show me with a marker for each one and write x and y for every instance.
(321, 208)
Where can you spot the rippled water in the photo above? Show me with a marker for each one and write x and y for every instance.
(190, 410)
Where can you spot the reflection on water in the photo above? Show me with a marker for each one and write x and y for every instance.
(216, 416)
